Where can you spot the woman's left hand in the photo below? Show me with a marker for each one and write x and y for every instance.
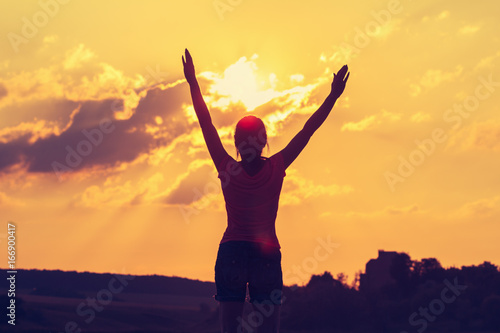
(189, 71)
(339, 81)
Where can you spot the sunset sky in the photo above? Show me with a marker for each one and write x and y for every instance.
(103, 166)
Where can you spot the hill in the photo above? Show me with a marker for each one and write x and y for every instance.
(393, 294)
(59, 301)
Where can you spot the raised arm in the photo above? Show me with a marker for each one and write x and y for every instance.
(212, 139)
(297, 144)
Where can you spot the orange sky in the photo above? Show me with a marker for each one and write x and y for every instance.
(408, 160)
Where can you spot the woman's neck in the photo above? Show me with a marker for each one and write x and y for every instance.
(253, 166)
(253, 160)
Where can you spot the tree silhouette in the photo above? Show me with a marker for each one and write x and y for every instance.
(401, 272)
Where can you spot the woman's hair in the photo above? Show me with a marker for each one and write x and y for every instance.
(250, 133)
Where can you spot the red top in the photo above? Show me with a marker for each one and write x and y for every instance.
(252, 201)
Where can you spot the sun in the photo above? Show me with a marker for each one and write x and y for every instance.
(239, 84)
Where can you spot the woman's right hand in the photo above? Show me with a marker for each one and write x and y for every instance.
(339, 81)
(189, 71)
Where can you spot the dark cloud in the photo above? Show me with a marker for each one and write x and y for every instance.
(196, 185)
(11, 153)
(3, 91)
(51, 110)
(227, 117)
(96, 139)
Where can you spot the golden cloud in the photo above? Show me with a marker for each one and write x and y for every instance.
(371, 121)
(420, 117)
(479, 135)
(297, 188)
(432, 78)
(388, 211)
(485, 207)
(7, 201)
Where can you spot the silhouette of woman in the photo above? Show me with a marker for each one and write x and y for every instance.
(249, 252)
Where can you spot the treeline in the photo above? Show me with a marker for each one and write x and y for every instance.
(71, 284)
(422, 296)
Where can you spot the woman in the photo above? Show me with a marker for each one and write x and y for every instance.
(249, 252)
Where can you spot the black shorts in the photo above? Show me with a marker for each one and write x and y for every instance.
(239, 263)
